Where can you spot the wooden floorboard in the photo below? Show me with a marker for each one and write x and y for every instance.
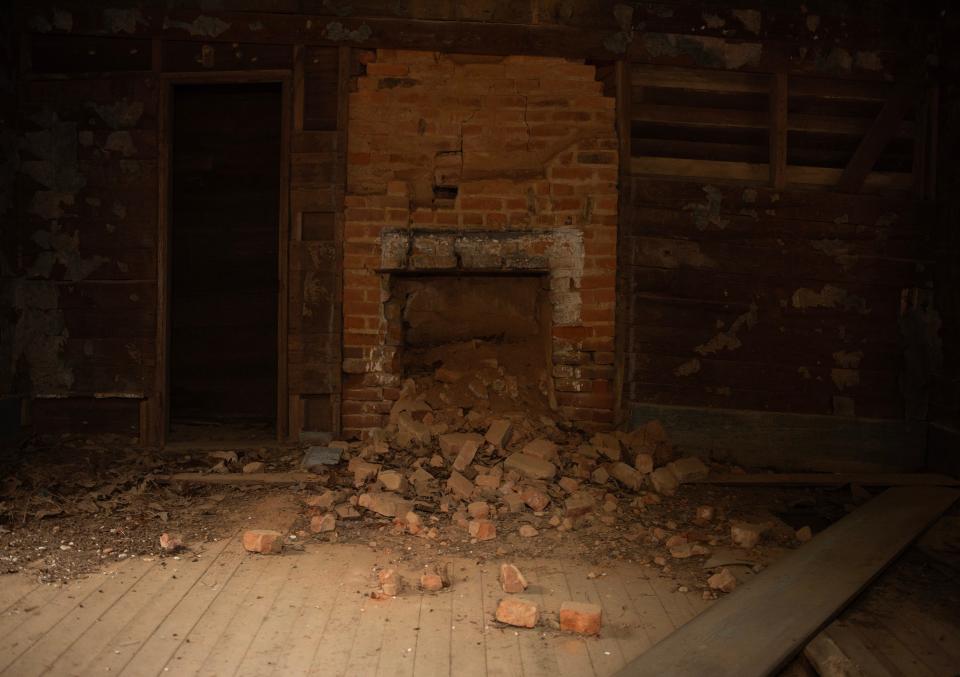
(759, 627)
(310, 612)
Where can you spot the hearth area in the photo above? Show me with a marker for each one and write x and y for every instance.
(468, 176)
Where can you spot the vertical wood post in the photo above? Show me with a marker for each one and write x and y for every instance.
(624, 91)
(778, 131)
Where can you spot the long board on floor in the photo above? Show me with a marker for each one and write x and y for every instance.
(759, 627)
(820, 479)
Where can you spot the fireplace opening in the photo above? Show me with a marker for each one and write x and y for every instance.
(475, 342)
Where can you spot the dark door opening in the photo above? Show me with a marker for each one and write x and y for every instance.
(224, 237)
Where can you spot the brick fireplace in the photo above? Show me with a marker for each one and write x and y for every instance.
(469, 166)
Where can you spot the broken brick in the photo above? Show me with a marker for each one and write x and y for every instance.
(688, 469)
(543, 449)
(263, 541)
(452, 444)
(580, 617)
(478, 509)
(643, 463)
(170, 542)
(254, 467)
(535, 499)
(466, 454)
(745, 534)
(459, 485)
(518, 612)
(804, 534)
(323, 523)
(511, 580)
(528, 531)
(625, 475)
(723, 580)
(431, 582)
(664, 481)
(607, 444)
(384, 503)
(499, 433)
(392, 480)
(530, 467)
(482, 529)
(391, 582)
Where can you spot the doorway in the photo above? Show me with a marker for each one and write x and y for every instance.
(225, 189)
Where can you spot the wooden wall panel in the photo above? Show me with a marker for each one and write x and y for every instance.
(743, 297)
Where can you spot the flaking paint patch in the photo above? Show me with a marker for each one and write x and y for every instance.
(703, 50)
(845, 378)
(123, 20)
(688, 368)
(619, 42)
(58, 247)
(848, 359)
(665, 253)
(39, 338)
(841, 252)
(751, 19)
(829, 296)
(202, 26)
(712, 20)
(121, 142)
(868, 61)
(804, 372)
(337, 32)
(119, 114)
(706, 214)
(729, 339)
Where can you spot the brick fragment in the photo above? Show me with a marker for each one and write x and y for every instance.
(460, 486)
(625, 475)
(543, 449)
(688, 469)
(530, 467)
(723, 581)
(478, 509)
(499, 433)
(580, 617)
(664, 481)
(263, 541)
(254, 467)
(323, 523)
(511, 579)
(518, 612)
(431, 582)
(745, 534)
(482, 529)
(170, 542)
(392, 480)
(535, 499)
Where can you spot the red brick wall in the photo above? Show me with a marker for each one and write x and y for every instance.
(530, 145)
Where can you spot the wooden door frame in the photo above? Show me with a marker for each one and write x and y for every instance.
(158, 406)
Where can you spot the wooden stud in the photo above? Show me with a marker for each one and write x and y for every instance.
(298, 92)
(778, 131)
(345, 56)
(159, 407)
(624, 90)
(881, 132)
(283, 267)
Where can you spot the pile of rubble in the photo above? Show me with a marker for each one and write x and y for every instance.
(439, 470)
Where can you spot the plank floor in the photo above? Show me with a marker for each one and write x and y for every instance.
(230, 613)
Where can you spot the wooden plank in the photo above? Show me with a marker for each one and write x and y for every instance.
(19, 632)
(537, 655)
(110, 638)
(620, 617)
(243, 478)
(702, 79)
(760, 627)
(849, 643)
(333, 652)
(184, 617)
(778, 131)
(653, 617)
(204, 636)
(791, 442)
(432, 657)
(829, 660)
(883, 129)
(467, 641)
(399, 644)
(823, 177)
(502, 645)
(313, 617)
(550, 585)
(605, 653)
(832, 479)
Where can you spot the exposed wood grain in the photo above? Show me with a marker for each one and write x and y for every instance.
(778, 131)
(698, 78)
(813, 583)
(833, 479)
(882, 130)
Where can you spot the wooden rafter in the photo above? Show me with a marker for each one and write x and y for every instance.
(881, 132)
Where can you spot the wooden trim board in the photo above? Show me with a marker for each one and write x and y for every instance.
(758, 628)
(789, 442)
(832, 480)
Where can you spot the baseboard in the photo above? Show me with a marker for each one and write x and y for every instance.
(943, 448)
(792, 442)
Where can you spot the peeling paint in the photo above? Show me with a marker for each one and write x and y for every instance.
(813, 22)
(712, 20)
(804, 372)
(337, 32)
(121, 142)
(703, 50)
(845, 378)
(203, 26)
(707, 213)
(751, 19)
(255, 26)
(59, 247)
(619, 42)
(664, 253)
(868, 61)
(39, 338)
(729, 340)
(848, 360)
(688, 368)
(829, 296)
(120, 114)
(119, 20)
(838, 250)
